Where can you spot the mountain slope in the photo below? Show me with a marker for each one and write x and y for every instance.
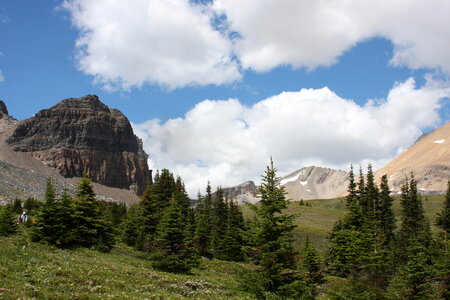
(429, 160)
(315, 183)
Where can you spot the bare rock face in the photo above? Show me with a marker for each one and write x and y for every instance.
(6, 120)
(3, 110)
(242, 193)
(315, 183)
(84, 135)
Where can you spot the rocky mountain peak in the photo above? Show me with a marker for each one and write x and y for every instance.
(80, 135)
(315, 183)
(3, 109)
(242, 193)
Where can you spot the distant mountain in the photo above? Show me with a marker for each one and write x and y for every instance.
(81, 135)
(307, 183)
(242, 193)
(429, 160)
(315, 183)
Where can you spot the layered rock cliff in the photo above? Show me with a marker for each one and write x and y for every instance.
(84, 135)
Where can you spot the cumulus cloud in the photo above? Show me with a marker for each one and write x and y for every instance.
(227, 142)
(169, 42)
(175, 43)
(315, 33)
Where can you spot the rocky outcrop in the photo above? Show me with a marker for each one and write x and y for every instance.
(6, 120)
(315, 183)
(84, 135)
(242, 193)
(428, 159)
(3, 109)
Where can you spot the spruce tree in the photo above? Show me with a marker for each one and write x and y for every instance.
(311, 265)
(219, 224)
(414, 279)
(350, 238)
(155, 199)
(182, 197)
(203, 219)
(54, 223)
(442, 250)
(172, 252)
(352, 195)
(270, 244)
(370, 201)
(233, 238)
(386, 214)
(17, 206)
(90, 229)
(31, 204)
(130, 226)
(7, 221)
(443, 218)
(414, 226)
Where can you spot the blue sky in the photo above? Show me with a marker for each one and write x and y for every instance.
(158, 61)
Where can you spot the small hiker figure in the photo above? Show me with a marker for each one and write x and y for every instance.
(23, 217)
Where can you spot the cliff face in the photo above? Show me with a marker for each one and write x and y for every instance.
(84, 135)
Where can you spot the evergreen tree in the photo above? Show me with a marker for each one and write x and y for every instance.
(414, 225)
(361, 187)
(155, 199)
(442, 250)
(130, 226)
(219, 224)
(90, 229)
(17, 206)
(352, 195)
(233, 238)
(182, 197)
(7, 221)
(54, 223)
(172, 252)
(386, 215)
(113, 212)
(203, 219)
(311, 265)
(370, 201)
(270, 244)
(443, 218)
(413, 280)
(31, 204)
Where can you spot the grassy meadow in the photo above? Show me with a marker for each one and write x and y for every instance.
(38, 271)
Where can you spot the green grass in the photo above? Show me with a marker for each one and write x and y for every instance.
(316, 220)
(38, 271)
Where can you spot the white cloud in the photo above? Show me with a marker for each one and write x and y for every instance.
(313, 33)
(227, 143)
(170, 43)
(174, 43)
(1, 76)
